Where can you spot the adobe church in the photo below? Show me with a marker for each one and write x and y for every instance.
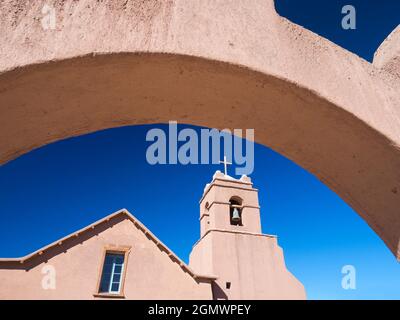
(117, 257)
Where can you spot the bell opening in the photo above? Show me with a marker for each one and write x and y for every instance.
(235, 212)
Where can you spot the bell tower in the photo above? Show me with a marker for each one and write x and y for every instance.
(229, 204)
(247, 263)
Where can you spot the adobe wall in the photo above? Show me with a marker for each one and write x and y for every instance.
(253, 265)
(150, 273)
(136, 62)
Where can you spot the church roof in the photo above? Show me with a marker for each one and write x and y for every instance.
(136, 222)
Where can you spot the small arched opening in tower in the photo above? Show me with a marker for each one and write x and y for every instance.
(235, 211)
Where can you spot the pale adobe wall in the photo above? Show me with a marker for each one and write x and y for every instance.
(326, 109)
(151, 274)
(387, 56)
(200, 258)
(253, 264)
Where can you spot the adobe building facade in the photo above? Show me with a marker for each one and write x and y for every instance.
(248, 263)
(119, 258)
(107, 64)
(151, 271)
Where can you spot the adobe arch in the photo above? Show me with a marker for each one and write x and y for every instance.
(329, 111)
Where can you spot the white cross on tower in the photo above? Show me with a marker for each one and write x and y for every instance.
(225, 162)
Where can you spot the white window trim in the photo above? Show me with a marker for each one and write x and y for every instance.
(113, 274)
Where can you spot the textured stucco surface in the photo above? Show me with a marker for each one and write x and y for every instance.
(215, 63)
(387, 56)
(251, 262)
(150, 272)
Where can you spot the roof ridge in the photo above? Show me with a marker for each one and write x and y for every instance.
(136, 222)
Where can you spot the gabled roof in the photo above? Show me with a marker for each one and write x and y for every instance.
(136, 222)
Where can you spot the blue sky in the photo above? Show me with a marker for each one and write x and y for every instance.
(62, 187)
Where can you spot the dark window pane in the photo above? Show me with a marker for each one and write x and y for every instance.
(109, 259)
(117, 269)
(111, 273)
(115, 287)
(107, 268)
(105, 282)
(119, 259)
(117, 277)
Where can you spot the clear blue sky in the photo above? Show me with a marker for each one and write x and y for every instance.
(62, 187)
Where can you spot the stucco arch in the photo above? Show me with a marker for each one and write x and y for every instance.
(221, 64)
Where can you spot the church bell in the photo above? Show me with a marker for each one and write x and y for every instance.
(235, 215)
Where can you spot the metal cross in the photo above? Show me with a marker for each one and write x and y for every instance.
(225, 162)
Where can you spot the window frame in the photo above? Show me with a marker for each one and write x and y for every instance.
(121, 250)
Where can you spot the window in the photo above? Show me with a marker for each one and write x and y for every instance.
(111, 276)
